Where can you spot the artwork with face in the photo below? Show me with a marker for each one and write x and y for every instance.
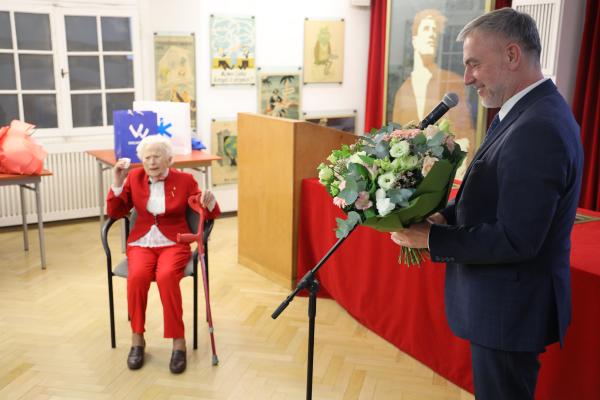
(279, 94)
(232, 50)
(224, 144)
(323, 51)
(175, 70)
(425, 62)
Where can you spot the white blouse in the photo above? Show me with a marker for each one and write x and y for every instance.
(156, 205)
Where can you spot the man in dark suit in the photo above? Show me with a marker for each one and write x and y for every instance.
(506, 237)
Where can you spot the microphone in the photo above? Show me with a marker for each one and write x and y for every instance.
(450, 100)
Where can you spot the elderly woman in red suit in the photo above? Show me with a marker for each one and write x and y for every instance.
(160, 195)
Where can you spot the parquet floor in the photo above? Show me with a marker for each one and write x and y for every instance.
(54, 333)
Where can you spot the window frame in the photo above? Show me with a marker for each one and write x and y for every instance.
(57, 11)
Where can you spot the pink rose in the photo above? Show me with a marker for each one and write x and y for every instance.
(449, 143)
(363, 202)
(405, 133)
(342, 185)
(338, 201)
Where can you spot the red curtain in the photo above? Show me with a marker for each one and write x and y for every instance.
(586, 105)
(376, 71)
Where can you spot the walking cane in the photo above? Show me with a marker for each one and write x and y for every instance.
(194, 203)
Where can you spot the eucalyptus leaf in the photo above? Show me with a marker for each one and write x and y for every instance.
(349, 195)
(437, 151)
(436, 140)
(382, 149)
(400, 196)
(420, 139)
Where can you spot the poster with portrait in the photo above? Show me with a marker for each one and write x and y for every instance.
(232, 50)
(323, 51)
(223, 133)
(175, 70)
(424, 62)
(342, 120)
(279, 93)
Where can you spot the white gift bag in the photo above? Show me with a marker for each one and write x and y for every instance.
(173, 121)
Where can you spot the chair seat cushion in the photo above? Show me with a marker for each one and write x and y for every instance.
(121, 268)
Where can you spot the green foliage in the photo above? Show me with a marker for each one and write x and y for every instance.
(345, 226)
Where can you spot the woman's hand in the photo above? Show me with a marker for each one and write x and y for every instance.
(121, 170)
(208, 200)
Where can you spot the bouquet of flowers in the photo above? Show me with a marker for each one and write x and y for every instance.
(393, 177)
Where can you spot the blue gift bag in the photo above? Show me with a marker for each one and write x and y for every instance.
(130, 128)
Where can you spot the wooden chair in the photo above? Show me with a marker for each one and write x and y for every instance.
(121, 268)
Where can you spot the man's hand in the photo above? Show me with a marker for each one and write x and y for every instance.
(121, 170)
(438, 219)
(417, 236)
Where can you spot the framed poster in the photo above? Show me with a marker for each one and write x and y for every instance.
(223, 135)
(424, 61)
(232, 50)
(344, 121)
(323, 51)
(175, 70)
(279, 94)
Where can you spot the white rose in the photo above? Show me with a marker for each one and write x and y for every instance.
(400, 149)
(386, 181)
(384, 206)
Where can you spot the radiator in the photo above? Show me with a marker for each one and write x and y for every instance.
(71, 192)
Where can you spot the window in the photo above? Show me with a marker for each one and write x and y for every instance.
(100, 60)
(66, 69)
(27, 85)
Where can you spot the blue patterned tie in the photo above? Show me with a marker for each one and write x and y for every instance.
(490, 131)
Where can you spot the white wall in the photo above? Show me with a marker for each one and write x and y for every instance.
(571, 30)
(279, 43)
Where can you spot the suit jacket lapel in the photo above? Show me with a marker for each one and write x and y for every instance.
(540, 91)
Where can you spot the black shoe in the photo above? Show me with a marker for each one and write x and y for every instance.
(135, 359)
(178, 361)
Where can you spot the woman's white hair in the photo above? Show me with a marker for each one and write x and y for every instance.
(164, 145)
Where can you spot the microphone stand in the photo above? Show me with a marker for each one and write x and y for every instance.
(310, 283)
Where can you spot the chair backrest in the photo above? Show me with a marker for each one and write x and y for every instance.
(120, 269)
(192, 218)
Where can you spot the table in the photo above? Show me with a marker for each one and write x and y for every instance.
(405, 305)
(105, 159)
(30, 182)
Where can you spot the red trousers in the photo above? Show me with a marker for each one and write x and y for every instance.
(165, 265)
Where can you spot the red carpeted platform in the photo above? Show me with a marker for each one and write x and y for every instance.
(405, 306)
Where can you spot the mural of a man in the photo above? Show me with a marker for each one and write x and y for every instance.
(428, 83)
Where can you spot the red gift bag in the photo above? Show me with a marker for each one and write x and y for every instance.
(19, 152)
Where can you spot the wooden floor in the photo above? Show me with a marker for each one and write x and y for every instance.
(55, 344)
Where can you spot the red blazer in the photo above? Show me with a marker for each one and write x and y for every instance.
(179, 186)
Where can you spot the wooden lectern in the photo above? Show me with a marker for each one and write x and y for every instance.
(274, 155)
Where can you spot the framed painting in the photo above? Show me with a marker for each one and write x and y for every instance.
(279, 93)
(344, 121)
(232, 50)
(223, 134)
(424, 61)
(175, 70)
(323, 51)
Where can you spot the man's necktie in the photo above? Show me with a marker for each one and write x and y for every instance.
(491, 130)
